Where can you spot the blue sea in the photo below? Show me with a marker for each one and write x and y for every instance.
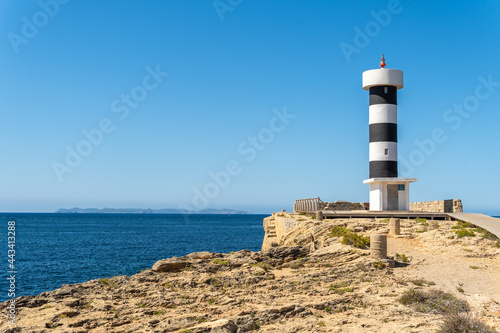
(56, 249)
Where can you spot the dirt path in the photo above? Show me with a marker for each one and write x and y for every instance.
(470, 272)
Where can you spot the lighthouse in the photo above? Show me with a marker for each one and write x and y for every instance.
(387, 190)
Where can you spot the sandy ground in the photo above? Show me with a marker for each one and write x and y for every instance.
(468, 267)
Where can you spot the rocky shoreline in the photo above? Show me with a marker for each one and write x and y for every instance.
(308, 281)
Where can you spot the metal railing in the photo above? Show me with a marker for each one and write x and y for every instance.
(310, 205)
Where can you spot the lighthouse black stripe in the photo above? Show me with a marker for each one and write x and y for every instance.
(380, 169)
(384, 132)
(383, 95)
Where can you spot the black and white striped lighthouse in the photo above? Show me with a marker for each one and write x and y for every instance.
(387, 191)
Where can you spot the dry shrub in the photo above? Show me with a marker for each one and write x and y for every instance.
(433, 301)
(459, 322)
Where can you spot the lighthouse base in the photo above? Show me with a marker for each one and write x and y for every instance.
(390, 193)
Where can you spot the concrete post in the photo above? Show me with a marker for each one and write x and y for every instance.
(378, 246)
(394, 226)
(319, 215)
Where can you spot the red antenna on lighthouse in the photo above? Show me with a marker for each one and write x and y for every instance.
(382, 62)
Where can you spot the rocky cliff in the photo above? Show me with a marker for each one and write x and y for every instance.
(305, 280)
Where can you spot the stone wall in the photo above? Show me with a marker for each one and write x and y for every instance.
(344, 205)
(441, 206)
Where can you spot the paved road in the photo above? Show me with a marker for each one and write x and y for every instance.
(492, 224)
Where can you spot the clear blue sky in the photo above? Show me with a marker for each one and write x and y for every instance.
(222, 71)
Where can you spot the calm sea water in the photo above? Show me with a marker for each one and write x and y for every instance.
(56, 249)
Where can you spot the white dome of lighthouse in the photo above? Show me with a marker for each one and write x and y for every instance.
(383, 77)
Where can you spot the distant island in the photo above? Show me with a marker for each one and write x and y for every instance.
(76, 210)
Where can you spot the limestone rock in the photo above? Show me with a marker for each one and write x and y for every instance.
(304, 239)
(241, 254)
(62, 292)
(171, 264)
(286, 252)
(219, 326)
(246, 323)
(200, 255)
(320, 286)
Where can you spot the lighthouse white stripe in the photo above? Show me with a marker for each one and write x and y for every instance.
(377, 151)
(383, 113)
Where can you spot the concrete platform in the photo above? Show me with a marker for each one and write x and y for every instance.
(385, 214)
(492, 224)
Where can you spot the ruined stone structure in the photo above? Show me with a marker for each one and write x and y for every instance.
(445, 206)
(344, 205)
(378, 246)
(394, 226)
(313, 205)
